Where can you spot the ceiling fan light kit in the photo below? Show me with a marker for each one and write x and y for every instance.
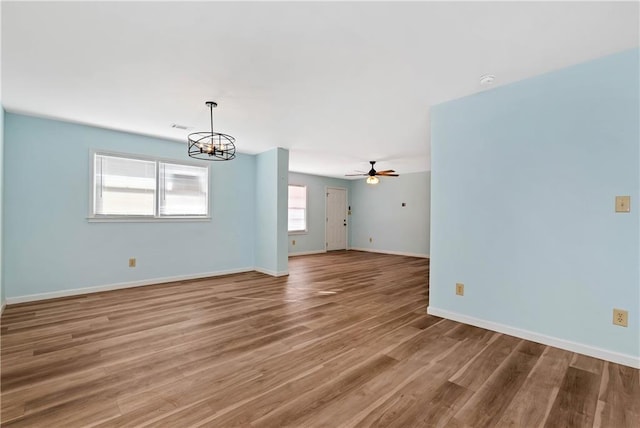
(373, 180)
(372, 175)
(210, 145)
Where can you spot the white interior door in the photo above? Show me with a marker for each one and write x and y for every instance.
(336, 231)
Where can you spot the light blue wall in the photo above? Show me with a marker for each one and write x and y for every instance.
(377, 213)
(314, 239)
(49, 244)
(271, 207)
(2, 292)
(266, 204)
(524, 180)
(282, 213)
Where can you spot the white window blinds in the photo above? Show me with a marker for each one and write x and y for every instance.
(297, 208)
(124, 186)
(150, 188)
(183, 190)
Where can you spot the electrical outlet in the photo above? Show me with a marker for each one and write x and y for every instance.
(623, 204)
(132, 262)
(293, 242)
(620, 317)
(370, 239)
(459, 289)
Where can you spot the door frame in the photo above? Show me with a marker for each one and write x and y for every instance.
(326, 215)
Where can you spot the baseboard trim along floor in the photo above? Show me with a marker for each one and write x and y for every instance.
(117, 286)
(591, 351)
(395, 253)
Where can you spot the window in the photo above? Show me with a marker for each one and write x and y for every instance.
(183, 190)
(148, 188)
(297, 208)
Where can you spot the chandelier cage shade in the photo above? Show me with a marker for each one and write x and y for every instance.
(210, 145)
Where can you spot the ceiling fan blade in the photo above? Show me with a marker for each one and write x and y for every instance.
(372, 172)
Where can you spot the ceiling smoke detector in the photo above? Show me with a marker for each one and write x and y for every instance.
(487, 79)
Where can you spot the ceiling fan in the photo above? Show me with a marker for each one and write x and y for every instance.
(372, 175)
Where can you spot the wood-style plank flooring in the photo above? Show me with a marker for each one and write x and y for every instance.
(344, 341)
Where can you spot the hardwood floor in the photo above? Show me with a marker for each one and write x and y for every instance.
(344, 341)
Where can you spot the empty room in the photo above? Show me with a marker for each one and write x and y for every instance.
(320, 214)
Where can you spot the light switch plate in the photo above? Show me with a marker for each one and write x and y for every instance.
(623, 204)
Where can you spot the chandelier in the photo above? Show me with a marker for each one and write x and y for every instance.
(212, 146)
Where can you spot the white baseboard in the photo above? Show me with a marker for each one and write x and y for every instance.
(108, 287)
(580, 348)
(271, 272)
(395, 253)
(306, 253)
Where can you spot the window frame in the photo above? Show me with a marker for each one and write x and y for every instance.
(156, 217)
(306, 210)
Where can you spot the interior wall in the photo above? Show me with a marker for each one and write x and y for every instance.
(377, 213)
(524, 182)
(51, 247)
(271, 208)
(282, 211)
(2, 291)
(313, 240)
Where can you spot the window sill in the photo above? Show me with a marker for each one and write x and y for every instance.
(125, 219)
(298, 232)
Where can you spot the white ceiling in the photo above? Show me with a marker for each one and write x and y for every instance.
(338, 84)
